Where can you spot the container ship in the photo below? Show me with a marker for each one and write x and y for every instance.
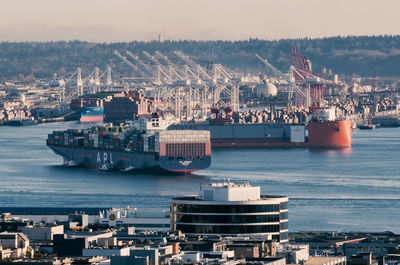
(145, 145)
(322, 131)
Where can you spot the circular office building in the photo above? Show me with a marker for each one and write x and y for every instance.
(229, 209)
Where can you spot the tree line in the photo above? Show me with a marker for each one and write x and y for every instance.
(346, 56)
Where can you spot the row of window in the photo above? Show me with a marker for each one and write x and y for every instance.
(189, 208)
(284, 226)
(284, 215)
(227, 219)
(284, 205)
(284, 236)
(226, 229)
(143, 225)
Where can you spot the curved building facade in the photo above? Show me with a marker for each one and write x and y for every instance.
(228, 209)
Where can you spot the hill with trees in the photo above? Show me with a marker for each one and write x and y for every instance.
(346, 56)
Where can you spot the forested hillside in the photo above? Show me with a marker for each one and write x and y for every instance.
(343, 55)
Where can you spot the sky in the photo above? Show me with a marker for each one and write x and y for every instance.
(128, 20)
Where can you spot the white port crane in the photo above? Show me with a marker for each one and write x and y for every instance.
(275, 72)
(174, 83)
(193, 65)
(172, 67)
(145, 66)
(125, 60)
(289, 77)
(160, 69)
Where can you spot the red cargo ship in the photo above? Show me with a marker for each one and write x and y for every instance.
(322, 131)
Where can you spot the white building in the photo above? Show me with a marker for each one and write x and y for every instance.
(105, 252)
(229, 209)
(17, 245)
(142, 220)
(44, 232)
(294, 253)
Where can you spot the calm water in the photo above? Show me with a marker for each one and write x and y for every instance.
(356, 189)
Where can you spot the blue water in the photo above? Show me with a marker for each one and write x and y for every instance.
(348, 190)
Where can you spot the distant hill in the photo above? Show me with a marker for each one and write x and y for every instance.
(343, 55)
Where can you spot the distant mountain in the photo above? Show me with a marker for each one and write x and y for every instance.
(33, 31)
(343, 55)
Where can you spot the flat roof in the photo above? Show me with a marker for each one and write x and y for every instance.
(321, 260)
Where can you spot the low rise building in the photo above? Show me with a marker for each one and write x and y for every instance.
(72, 243)
(294, 253)
(138, 256)
(141, 220)
(326, 261)
(42, 232)
(15, 245)
(12, 224)
(105, 251)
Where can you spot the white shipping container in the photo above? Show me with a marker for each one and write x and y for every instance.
(297, 134)
(183, 136)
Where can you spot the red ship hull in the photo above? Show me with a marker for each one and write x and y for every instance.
(321, 134)
(90, 119)
(330, 134)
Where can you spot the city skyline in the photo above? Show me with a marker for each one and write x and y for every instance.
(99, 21)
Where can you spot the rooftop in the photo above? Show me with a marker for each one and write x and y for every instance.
(321, 260)
(226, 185)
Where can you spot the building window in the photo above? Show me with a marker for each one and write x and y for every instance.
(284, 215)
(229, 219)
(227, 229)
(188, 208)
(284, 226)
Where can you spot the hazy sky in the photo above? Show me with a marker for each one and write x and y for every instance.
(126, 20)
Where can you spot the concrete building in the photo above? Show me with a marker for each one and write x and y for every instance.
(266, 260)
(44, 232)
(72, 244)
(228, 209)
(105, 252)
(12, 224)
(139, 219)
(152, 253)
(376, 248)
(80, 219)
(266, 246)
(17, 243)
(326, 261)
(128, 260)
(64, 246)
(138, 256)
(245, 250)
(107, 242)
(294, 253)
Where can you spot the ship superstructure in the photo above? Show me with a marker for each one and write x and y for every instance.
(92, 114)
(143, 145)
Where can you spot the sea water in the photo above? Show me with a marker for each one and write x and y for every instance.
(355, 189)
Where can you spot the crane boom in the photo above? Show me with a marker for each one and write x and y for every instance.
(123, 58)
